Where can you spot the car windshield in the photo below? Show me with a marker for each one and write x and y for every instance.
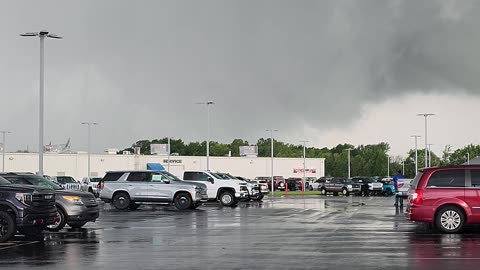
(223, 176)
(40, 182)
(95, 179)
(65, 180)
(168, 176)
(4, 181)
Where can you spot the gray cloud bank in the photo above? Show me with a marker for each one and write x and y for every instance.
(138, 67)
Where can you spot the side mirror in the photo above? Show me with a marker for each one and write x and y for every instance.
(210, 179)
(166, 181)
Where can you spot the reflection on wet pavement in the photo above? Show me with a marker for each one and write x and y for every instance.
(283, 233)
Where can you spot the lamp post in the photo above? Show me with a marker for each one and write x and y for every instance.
(3, 148)
(388, 166)
(89, 124)
(42, 35)
(304, 164)
(403, 167)
(208, 104)
(416, 152)
(426, 115)
(468, 158)
(169, 152)
(430, 155)
(349, 166)
(271, 140)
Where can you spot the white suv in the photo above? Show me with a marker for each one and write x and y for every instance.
(227, 191)
(129, 189)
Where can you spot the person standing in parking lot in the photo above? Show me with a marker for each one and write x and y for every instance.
(398, 199)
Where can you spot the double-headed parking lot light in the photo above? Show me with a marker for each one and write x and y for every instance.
(42, 35)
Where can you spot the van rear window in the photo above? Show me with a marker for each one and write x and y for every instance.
(415, 180)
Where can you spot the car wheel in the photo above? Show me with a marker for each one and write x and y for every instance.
(450, 219)
(182, 201)
(227, 198)
(77, 224)
(310, 188)
(121, 201)
(259, 198)
(345, 192)
(31, 231)
(389, 192)
(7, 226)
(323, 191)
(59, 222)
(195, 206)
(134, 206)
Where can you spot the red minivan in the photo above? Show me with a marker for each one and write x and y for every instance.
(447, 197)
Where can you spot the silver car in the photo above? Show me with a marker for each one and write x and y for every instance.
(130, 189)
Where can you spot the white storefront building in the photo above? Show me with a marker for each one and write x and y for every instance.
(75, 165)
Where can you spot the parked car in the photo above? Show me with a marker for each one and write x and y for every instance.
(90, 184)
(27, 209)
(294, 183)
(368, 185)
(447, 197)
(261, 183)
(252, 187)
(338, 185)
(308, 181)
(278, 182)
(130, 189)
(74, 208)
(227, 191)
(317, 184)
(388, 188)
(67, 182)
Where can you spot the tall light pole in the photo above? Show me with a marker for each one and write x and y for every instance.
(271, 148)
(89, 125)
(208, 104)
(426, 115)
(403, 167)
(388, 166)
(3, 149)
(42, 35)
(430, 155)
(304, 164)
(468, 156)
(349, 150)
(416, 152)
(169, 152)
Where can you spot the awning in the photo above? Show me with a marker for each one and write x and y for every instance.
(155, 167)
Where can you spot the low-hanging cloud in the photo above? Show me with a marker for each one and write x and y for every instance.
(138, 68)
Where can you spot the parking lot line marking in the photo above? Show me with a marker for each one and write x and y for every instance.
(19, 245)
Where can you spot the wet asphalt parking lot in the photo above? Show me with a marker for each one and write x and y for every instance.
(287, 233)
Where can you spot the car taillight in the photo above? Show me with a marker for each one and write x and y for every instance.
(417, 197)
(100, 185)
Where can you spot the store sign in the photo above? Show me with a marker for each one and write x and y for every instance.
(176, 161)
(306, 170)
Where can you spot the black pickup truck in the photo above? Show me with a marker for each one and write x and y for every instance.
(27, 209)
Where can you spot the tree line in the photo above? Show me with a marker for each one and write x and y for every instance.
(366, 160)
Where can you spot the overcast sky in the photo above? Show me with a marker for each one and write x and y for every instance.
(327, 71)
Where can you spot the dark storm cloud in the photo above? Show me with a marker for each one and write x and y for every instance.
(139, 67)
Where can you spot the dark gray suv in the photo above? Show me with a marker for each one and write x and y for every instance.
(74, 208)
